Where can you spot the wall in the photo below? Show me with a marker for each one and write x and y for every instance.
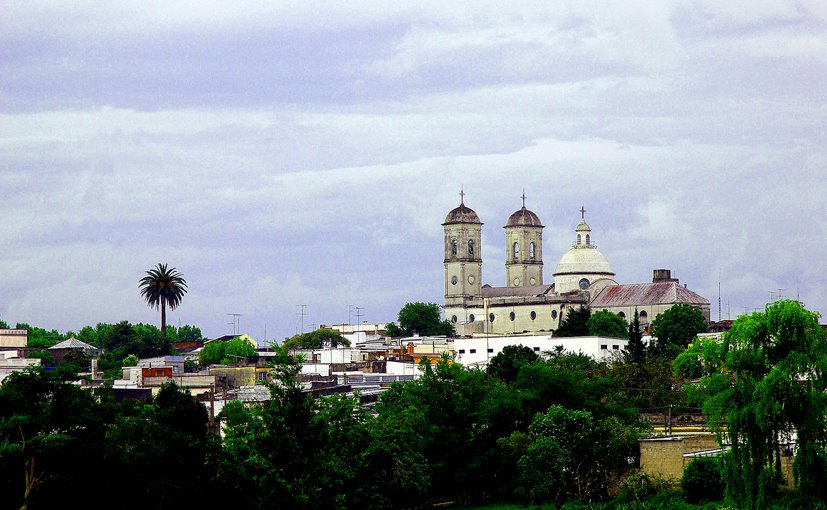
(477, 351)
(663, 456)
(14, 338)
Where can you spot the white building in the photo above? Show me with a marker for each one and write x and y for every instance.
(478, 351)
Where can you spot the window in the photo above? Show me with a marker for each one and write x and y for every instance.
(588, 239)
(536, 349)
(462, 351)
(533, 315)
(615, 347)
(604, 347)
(584, 283)
(471, 318)
(490, 350)
(643, 314)
(531, 253)
(578, 239)
(454, 319)
(471, 248)
(472, 351)
(515, 250)
(622, 315)
(554, 314)
(453, 247)
(491, 317)
(511, 316)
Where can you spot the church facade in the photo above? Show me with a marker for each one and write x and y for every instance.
(527, 304)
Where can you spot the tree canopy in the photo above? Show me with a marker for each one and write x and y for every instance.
(420, 319)
(765, 381)
(676, 327)
(317, 339)
(575, 323)
(226, 352)
(606, 323)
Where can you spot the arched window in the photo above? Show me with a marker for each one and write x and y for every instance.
(471, 318)
(454, 247)
(588, 239)
(578, 240)
(511, 316)
(531, 253)
(471, 248)
(533, 315)
(644, 315)
(491, 317)
(454, 319)
(554, 314)
(622, 315)
(516, 251)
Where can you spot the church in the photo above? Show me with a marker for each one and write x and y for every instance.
(582, 277)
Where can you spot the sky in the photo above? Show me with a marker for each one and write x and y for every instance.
(306, 153)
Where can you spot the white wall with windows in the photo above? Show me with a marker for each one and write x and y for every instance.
(479, 350)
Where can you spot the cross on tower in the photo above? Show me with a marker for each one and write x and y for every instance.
(461, 196)
(523, 197)
(582, 212)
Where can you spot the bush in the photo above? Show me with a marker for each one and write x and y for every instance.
(702, 480)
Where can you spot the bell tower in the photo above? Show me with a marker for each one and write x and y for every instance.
(523, 248)
(463, 256)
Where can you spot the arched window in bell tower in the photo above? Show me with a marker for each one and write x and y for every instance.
(516, 251)
(471, 248)
(588, 239)
(531, 252)
(453, 247)
(578, 240)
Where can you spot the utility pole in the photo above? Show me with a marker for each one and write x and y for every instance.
(302, 312)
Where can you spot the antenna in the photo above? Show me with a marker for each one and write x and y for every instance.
(358, 317)
(719, 296)
(302, 312)
(236, 322)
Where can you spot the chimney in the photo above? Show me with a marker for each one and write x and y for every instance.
(662, 276)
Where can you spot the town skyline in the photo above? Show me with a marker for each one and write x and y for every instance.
(306, 156)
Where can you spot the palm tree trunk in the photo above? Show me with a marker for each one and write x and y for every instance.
(163, 321)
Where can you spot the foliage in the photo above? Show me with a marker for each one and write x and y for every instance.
(317, 339)
(606, 323)
(190, 366)
(123, 339)
(225, 353)
(39, 337)
(575, 323)
(420, 319)
(676, 327)
(162, 287)
(130, 361)
(767, 379)
(508, 362)
(636, 349)
(702, 480)
(46, 357)
(4, 324)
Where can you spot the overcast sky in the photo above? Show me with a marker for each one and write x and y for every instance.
(286, 153)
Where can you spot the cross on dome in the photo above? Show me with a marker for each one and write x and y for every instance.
(461, 195)
(582, 212)
(523, 197)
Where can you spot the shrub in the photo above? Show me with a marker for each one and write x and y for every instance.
(702, 480)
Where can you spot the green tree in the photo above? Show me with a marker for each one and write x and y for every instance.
(46, 357)
(49, 432)
(187, 333)
(606, 323)
(421, 319)
(162, 287)
(130, 361)
(317, 339)
(767, 381)
(4, 324)
(506, 365)
(676, 327)
(636, 349)
(702, 480)
(575, 323)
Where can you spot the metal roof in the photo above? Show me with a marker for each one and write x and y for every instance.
(647, 294)
(74, 343)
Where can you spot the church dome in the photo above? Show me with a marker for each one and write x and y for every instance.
(462, 214)
(523, 218)
(584, 261)
(583, 227)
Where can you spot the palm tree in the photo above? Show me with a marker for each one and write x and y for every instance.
(162, 287)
